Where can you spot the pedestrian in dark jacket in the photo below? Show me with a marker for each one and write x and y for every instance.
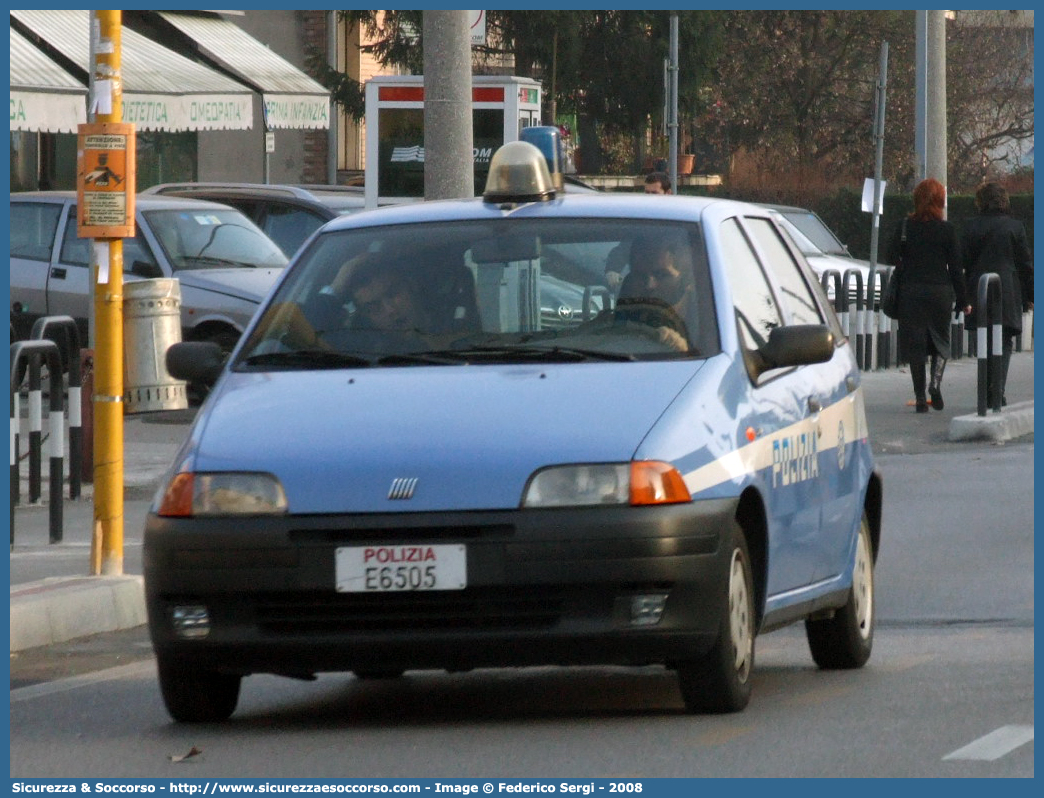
(996, 242)
(926, 252)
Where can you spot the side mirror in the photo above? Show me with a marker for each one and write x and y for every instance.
(796, 345)
(198, 362)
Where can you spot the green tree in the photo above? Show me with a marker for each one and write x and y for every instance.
(605, 66)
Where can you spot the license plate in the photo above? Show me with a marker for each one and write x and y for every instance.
(389, 569)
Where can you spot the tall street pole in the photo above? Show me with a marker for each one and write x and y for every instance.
(107, 274)
(449, 159)
(879, 135)
(673, 128)
(930, 134)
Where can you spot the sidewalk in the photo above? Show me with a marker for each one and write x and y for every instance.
(53, 599)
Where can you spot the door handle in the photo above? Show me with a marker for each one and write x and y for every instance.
(57, 273)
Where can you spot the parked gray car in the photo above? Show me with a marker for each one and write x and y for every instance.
(224, 263)
(287, 214)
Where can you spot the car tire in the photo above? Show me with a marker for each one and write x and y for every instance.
(195, 695)
(719, 682)
(845, 640)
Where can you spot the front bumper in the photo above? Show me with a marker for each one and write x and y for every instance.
(543, 587)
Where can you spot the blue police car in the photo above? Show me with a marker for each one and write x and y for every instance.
(448, 441)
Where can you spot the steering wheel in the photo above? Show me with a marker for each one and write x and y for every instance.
(651, 312)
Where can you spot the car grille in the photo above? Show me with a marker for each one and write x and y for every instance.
(323, 613)
(559, 319)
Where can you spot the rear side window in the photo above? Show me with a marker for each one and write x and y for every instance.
(33, 228)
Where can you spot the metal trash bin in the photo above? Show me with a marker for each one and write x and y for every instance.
(151, 324)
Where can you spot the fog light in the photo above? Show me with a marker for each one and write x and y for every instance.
(190, 621)
(648, 609)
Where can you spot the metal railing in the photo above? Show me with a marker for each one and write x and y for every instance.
(33, 354)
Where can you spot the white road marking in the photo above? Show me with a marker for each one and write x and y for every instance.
(995, 744)
(84, 680)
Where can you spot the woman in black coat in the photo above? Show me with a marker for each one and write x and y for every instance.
(996, 242)
(927, 254)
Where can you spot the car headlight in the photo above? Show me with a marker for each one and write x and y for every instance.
(222, 493)
(637, 483)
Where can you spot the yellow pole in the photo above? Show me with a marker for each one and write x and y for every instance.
(108, 310)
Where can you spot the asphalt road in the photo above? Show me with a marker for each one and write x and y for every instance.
(952, 670)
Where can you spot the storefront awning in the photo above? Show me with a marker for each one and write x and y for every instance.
(291, 98)
(162, 90)
(44, 97)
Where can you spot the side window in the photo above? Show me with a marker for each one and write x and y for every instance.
(795, 294)
(289, 226)
(76, 251)
(33, 228)
(138, 253)
(756, 307)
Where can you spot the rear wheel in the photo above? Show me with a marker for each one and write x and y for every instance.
(194, 695)
(845, 640)
(720, 681)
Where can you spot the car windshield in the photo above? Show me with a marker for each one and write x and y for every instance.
(213, 238)
(802, 241)
(814, 230)
(468, 292)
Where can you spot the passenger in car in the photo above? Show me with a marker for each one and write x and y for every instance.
(386, 298)
(367, 294)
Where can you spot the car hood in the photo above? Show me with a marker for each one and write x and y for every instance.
(251, 284)
(470, 435)
(820, 263)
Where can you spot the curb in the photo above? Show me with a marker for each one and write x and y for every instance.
(1012, 422)
(60, 608)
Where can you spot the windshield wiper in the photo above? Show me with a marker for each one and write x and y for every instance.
(309, 359)
(223, 261)
(508, 354)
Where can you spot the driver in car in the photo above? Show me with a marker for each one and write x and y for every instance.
(660, 290)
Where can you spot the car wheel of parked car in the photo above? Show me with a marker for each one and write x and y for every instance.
(845, 640)
(720, 681)
(194, 695)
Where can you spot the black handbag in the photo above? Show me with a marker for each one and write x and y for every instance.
(890, 299)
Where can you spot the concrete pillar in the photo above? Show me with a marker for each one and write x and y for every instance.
(449, 161)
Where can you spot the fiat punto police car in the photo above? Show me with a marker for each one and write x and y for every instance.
(445, 442)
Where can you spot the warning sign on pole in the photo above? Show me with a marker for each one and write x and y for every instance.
(105, 180)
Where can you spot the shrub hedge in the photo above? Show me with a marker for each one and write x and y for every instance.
(843, 213)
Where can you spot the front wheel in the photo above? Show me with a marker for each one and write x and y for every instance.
(845, 640)
(194, 695)
(719, 681)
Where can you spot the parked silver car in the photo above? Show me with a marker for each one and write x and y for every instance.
(224, 263)
(823, 250)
